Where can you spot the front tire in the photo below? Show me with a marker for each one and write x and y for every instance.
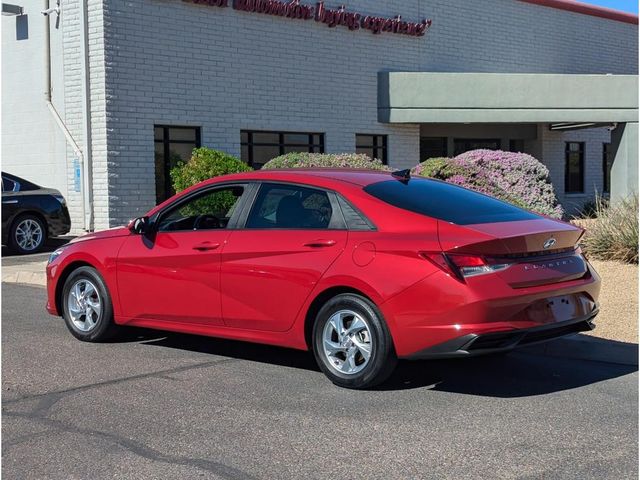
(28, 234)
(352, 344)
(87, 307)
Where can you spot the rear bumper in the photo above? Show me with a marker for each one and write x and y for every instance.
(482, 344)
(59, 222)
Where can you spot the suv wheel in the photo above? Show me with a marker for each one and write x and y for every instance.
(352, 344)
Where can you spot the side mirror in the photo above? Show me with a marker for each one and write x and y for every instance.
(139, 225)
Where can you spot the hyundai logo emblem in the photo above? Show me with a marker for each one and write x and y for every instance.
(549, 243)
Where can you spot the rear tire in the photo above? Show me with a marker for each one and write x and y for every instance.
(352, 344)
(87, 307)
(28, 234)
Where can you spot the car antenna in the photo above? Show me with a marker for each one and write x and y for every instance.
(403, 175)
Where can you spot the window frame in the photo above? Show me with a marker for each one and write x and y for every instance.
(281, 145)
(606, 171)
(582, 152)
(233, 224)
(467, 141)
(374, 145)
(166, 149)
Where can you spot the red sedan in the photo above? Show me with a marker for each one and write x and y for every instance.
(360, 267)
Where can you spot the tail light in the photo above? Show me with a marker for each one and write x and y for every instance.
(462, 266)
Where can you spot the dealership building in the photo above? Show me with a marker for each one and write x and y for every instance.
(100, 98)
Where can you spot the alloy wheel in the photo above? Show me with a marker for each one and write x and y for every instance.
(29, 234)
(347, 342)
(84, 305)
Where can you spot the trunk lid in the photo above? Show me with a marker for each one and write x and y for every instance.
(539, 251)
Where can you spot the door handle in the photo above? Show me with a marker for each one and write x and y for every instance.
(206, 246)
(320, 243)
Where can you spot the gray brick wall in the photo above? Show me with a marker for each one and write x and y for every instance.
(551, 152)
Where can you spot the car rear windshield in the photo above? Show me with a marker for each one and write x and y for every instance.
(446, 202)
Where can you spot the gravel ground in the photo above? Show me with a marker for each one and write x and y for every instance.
(618, 318)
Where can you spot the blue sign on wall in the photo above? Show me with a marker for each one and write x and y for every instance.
(77, 175)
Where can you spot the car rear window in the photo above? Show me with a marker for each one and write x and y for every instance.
(446, 202)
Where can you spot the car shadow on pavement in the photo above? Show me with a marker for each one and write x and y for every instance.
(230, 348)
(519, 374)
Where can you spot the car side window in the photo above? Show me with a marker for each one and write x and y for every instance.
(8, 185)
(290, 206)
(210, 210)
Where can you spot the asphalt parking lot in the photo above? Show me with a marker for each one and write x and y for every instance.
(156, 405)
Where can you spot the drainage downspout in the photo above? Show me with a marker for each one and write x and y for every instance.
(83, 157)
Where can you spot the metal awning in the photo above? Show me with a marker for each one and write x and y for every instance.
(425, 97)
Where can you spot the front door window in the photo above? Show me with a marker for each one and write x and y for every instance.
(209, 211)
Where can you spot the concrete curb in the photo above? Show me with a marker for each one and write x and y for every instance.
(29, 274)
(585, 347)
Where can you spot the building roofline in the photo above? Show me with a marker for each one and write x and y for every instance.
(587, 9)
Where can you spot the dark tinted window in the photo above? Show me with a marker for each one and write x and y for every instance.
(290, 206)
(257, 147)
(432, 147)
(574, 167)
(8, 185)
(172, 146)
(446, 202)
(374, 146)
(210, 211)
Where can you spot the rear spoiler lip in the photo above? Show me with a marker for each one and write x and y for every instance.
(489, 240)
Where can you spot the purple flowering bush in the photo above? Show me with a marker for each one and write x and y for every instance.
(516, 178)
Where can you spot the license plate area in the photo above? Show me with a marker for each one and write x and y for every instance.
(560, 309)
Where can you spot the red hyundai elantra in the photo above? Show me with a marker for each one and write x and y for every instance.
(361, 267)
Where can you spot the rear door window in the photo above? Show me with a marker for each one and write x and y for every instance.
(446, 202)
(8, 185)
(280, 206)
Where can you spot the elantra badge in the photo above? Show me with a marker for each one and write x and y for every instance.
(549, 243)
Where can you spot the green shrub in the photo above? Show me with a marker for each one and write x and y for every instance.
(613, 234)
(207, 163)
(441, 168)
(325, 160)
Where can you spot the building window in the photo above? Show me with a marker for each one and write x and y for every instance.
(607, 163)
(172, 145)
(516, 145)
(257, 147)
(574, 167)
(461, 145)
(433, 147)
(374, 146)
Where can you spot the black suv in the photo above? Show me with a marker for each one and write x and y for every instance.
(31, 214)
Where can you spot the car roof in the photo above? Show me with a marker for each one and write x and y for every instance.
(317, 176)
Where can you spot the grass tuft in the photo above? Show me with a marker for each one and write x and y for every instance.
(613, 234)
